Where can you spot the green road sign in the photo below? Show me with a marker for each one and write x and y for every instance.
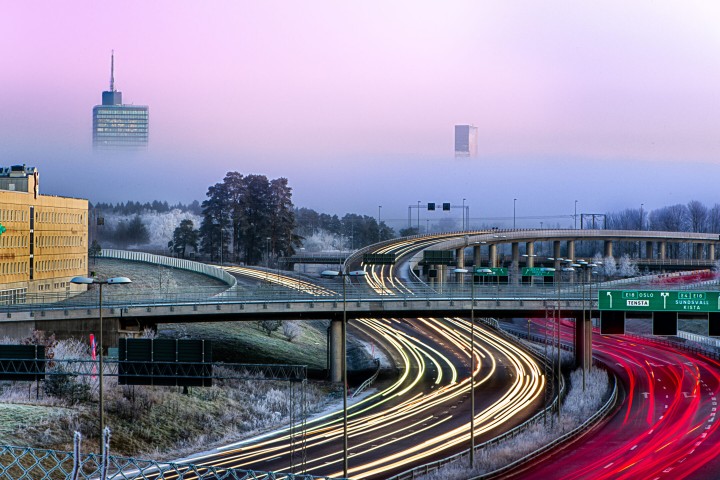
(537, 272)
(491, 271)
(2, 229)
(659, 301)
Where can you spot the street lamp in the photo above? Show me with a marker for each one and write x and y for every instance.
(379, 209)
(109, 281)
(418, 217)
(267, 252)
(575, 216)
(514, 201)
(464, 214)
(344, 275)
(472, 362)
(641, 215)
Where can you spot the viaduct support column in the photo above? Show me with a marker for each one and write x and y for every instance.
(662, 250)
(477, 257)
(515, 266)
(608, 248)
(460, 261)
(649, 250)
(556, 254)
(493, 255)
(335, 347)
(440, 277)
(711, 251)
(571, 250)
(583, 342)
(530, 250)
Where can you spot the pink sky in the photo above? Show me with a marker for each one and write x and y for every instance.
(299, 88)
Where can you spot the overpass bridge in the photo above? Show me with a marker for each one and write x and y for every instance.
(446, 294)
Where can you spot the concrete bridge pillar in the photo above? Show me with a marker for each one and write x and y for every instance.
(583, 343)
(441, 272)
(335, 346)
(493, 255)
(515, 266)
(477, 256)
(530, 250)
(662, 250)
(608, 248)
(711, 251)
(649, 250)
(460, 261)
(571, 249)
(556, 254)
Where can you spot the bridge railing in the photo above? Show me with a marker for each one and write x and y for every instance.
(569, 295)
(179, 263)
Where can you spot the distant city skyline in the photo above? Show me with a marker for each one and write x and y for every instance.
(614, 104)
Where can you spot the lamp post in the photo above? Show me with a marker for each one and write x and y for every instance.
(575, 215)
(344, 276)
(418, 217)
(472, 362)
(464, 214)
(267, 252)
(641, 215)
(109, 281)
(379, 209)
(514, 201)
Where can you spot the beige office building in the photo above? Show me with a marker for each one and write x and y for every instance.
(44, 239)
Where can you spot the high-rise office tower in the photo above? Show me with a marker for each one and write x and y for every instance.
(466, 137)
(116, 125)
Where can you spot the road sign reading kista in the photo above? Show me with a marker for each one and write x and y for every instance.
(537, 272)
(491, 271)
(659, 301)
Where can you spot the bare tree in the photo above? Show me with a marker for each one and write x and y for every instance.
(713, 219)
(697, 216)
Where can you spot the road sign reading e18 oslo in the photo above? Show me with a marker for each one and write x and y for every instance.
(659, 301)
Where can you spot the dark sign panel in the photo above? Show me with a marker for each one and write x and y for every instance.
(664, 323)
(22, 362)
(166, 362)
(612, 323)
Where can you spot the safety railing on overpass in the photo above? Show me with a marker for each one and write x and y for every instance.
(508, 295)
(179, 263)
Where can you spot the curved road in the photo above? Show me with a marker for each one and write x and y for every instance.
(665, 426)
(423, 415)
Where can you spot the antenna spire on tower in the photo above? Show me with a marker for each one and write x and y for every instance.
(112, 70)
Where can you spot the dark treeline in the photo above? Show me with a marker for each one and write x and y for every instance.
(136, 208)
(125, 233)
(248, 218)
(360, 230)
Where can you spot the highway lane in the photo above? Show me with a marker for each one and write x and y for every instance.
(396, 279)
(665, 426)
(423, 415)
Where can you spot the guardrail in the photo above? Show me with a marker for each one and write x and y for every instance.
(179, 263)
(369, 381)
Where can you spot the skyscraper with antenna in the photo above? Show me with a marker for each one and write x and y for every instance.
(117, 125)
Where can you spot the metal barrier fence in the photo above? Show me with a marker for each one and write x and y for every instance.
(22, 463)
